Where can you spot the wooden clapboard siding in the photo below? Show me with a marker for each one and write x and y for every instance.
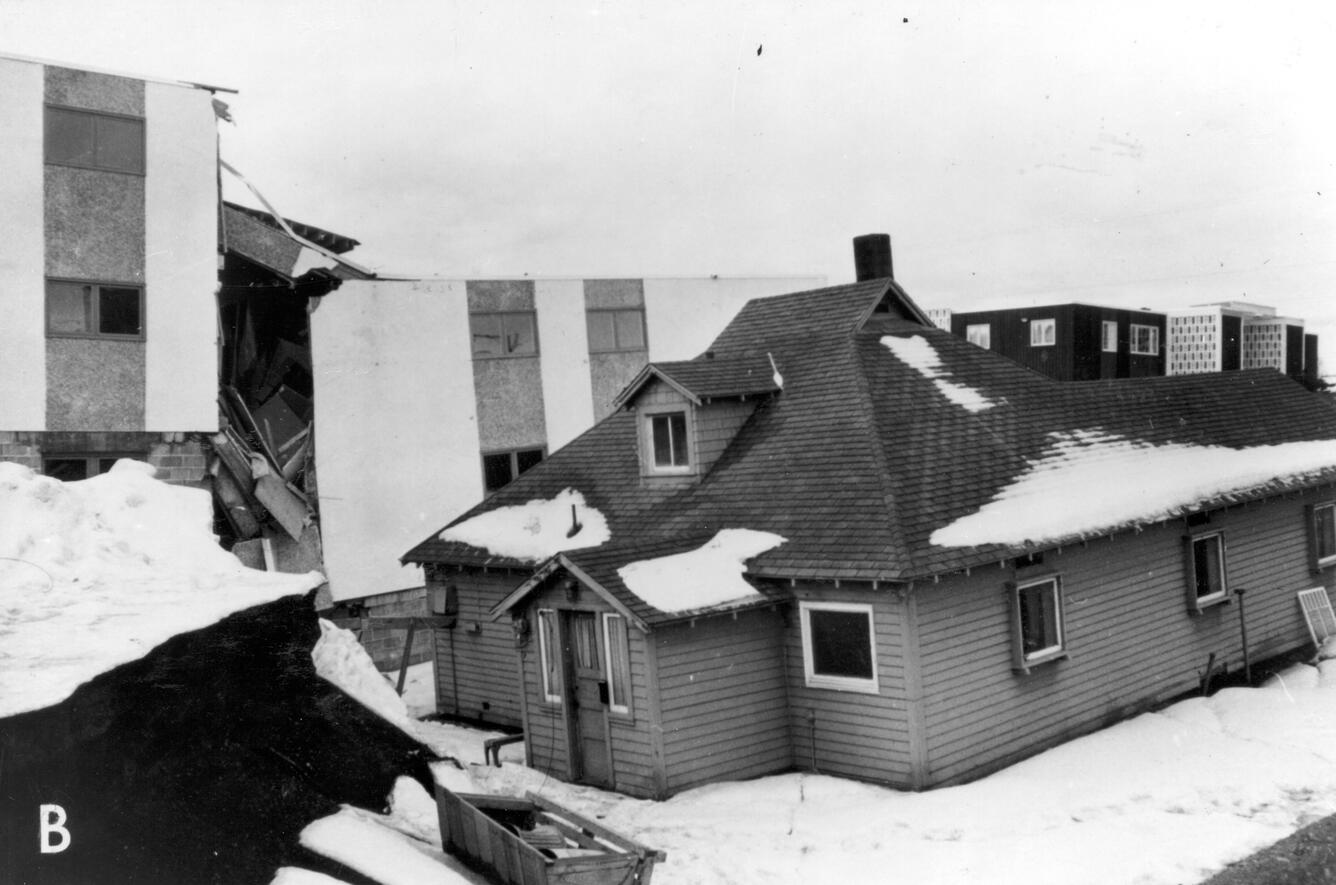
(864, 736)
(475, 660)
(1132, 639)
(723, 698)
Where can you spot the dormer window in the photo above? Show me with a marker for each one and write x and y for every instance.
(668, 438)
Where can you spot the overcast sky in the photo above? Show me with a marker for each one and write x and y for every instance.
(1149, 154)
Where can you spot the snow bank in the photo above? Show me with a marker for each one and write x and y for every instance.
(1088, 481)
(372, 847)
(919, 354)
(1164, 798)
(710, 575)
(96, 573)
(339, 658)
(533, 531)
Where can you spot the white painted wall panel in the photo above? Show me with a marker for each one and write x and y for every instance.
(563, 337)
(180, 259)
(396, 426)
(685, 315)
(22, 249)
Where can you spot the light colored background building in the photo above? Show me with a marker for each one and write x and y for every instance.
(108, 270)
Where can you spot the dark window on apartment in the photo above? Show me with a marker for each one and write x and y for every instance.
(94, 140)
(615, 330)
(500, 468)
(94, 309)
(1207, 582)
(503, 334)
(670, 439)
(73, 467)
(1145, 340)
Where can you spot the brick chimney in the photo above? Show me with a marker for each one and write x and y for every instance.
(872, 257)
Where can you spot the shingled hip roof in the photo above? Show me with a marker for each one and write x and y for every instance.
(887, 432)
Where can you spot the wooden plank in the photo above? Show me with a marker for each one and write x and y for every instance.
(1318, 615)
(588, 825)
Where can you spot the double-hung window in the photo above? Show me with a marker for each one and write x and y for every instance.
(1144, 340)
(94, 140)
(1043, 333)
(76, 309)
(1208, 582)
(1037, 626)
(668, 442)
(1322, 524)
(839, 646)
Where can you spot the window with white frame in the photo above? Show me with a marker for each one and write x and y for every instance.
(1110, 343)
(1043, 333)
(617, 666)
(668, 450)
(549, 655)
(839, 646)
(1324, 535)
(1036, 612)
(1144, 340)
(1208, 582)
(979, 334)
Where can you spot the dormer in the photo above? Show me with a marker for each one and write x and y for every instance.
(689, 412)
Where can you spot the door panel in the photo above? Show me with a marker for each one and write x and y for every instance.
(589, 699)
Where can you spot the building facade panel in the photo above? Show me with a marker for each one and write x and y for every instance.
(564, 361)
(23, 258)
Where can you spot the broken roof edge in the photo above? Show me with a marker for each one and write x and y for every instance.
(69, 66)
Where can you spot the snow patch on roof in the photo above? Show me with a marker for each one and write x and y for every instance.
(919, 354)
(710, 575)
(96, 573)
(1088, 481)
(535, 530)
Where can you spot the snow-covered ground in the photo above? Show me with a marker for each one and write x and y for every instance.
(97, 573)
(1167, 797)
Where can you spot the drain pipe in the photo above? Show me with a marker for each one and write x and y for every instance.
(1243, 633)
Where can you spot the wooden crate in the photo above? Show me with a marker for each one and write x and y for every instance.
(534, 841)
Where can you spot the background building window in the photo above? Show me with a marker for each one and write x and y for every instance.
(980, 334)
(503, 334)
(501, 468)
(73, 467)
(1037, 615)
(1145, 340)
(1043, 332)
(669, 439)
(616, 330)
(94, 309)
(1110, 336)
(839, 646)
(94, 141)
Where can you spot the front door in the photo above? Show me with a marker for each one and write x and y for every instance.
(588, 701)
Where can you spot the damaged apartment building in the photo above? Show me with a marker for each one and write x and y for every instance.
(336, 414)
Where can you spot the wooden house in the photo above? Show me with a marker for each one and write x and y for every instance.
(846, 541)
